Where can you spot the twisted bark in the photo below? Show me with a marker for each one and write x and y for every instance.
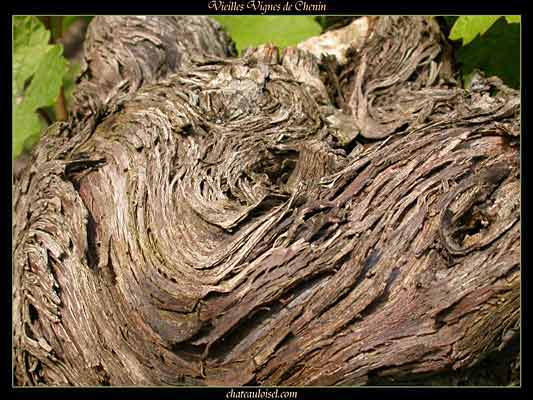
(275, 219)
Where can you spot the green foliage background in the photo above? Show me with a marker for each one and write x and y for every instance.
(490, 44)
(487, 43)
(253, 30)
(38, 70)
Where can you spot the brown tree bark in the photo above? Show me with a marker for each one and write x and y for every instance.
(276, 219)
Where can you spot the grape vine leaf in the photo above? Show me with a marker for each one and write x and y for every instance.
(282, 31)
(38, 70)
(30, 41)
(469, 26)
(497, 53)
(513, 19)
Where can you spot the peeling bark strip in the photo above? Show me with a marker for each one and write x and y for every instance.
(209, 220)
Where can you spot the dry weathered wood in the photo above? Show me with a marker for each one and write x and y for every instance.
(215, 221)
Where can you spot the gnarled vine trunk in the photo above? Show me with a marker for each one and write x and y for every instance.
(282, 218)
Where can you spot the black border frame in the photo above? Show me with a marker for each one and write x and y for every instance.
(334, 7)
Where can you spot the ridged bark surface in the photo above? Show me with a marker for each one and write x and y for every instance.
(275, 219)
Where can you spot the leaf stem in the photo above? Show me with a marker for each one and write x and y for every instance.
(60, 108)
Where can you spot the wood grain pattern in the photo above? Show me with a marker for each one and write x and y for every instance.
(198, 221)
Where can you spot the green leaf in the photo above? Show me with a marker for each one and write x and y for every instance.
(29, 32)
(282, 31)
(30, 43)
(468, 27)
(38, 70)
(25, 124)
(497, 52)
(44, 87)
(513, 19)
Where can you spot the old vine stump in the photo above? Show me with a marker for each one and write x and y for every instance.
(284, 218)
